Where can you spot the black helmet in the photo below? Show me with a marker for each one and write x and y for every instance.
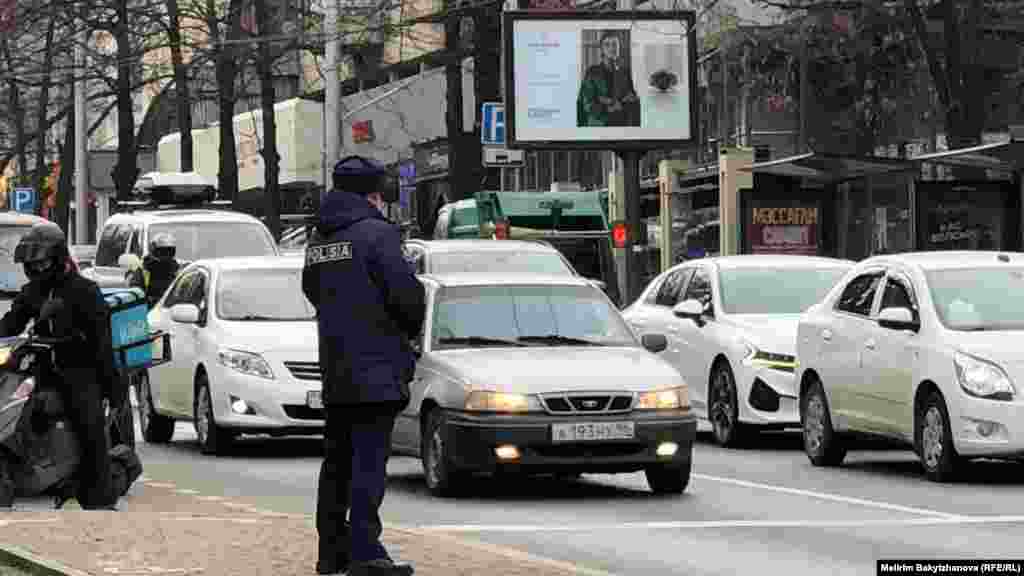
(42, 251)
(162, 246)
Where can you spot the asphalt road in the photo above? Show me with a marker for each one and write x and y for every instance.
(762, 510)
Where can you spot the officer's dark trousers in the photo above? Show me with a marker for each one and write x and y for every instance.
(357, 444)
(84, 408)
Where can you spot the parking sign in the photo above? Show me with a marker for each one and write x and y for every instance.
(492, 130)
(24, 200)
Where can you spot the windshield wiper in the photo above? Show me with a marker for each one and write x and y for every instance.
(255, 317)
(480, 341)
(559, 339)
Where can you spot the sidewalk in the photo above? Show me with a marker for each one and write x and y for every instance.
(162, 531)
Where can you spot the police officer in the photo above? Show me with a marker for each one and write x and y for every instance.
(159, 268)
(369, 306)
(86, 362)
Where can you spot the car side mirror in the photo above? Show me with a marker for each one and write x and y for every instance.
(898, 319)
(185, 313)
(654, 342)
(129, 262)
(691, 309)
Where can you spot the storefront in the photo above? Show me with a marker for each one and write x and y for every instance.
(969, 215)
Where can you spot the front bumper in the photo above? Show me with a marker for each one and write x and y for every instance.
(1002, 422)
(473, 438)
(279, 404)
(767, 396)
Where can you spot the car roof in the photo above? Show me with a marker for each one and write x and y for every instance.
(778, 261)
(286, 261)
(952, 259)
(12, 218)
(505, 279)
(482, 245)
(183, 215)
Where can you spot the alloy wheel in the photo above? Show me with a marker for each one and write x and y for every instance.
(932, 438)
(722, 408)
(814, 425)
(203, 416)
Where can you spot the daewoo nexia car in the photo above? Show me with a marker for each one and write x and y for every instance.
(540, 374)
(923, 348)
(731, 326)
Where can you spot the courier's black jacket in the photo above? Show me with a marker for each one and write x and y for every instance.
(369, 303)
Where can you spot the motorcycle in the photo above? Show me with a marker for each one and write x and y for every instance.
(39, 452)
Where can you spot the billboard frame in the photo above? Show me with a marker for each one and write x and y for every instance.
(508, 39)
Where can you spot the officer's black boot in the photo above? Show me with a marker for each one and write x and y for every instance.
(380, 567)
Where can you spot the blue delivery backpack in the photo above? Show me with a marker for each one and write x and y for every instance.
(132, 339)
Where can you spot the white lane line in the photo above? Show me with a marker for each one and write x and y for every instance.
(712, 524)
(829, 497)
(186, 491)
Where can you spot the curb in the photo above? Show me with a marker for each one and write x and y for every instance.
(29, 562)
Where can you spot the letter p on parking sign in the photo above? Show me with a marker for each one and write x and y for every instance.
(24, 200)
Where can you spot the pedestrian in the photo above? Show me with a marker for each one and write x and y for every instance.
(369, 307)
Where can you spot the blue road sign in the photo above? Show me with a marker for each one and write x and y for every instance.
(24, 200)
(492, 129)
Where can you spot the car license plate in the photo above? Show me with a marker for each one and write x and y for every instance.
(314, 400)
(592, 431)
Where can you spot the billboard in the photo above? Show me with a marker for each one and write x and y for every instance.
(784, 230)
(600, 80)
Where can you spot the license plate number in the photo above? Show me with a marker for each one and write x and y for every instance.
(592, 431)
(314, 400)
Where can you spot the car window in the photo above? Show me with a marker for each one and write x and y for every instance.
(263, 294)
(180, 290)
(203, 240)
(978, 298)
(859, 294)
(12, 275)
(699, 289)
(197, 293)
(898, 293)
(583, 254)
(113, 244)
(759, 290)
(136, 244)
(671, 288)
(414, 255)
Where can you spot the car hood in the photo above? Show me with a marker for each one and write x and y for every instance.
(1001, 346)
(287, 340)
(559, 369)
(775, 333)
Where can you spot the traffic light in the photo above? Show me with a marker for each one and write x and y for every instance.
(501, 230)
(619, 234)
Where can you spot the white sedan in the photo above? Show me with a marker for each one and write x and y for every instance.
(731, 324)
(923, 348)
(244, 354)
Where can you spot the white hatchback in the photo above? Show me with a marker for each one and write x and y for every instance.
(244, 356)
(923, 348)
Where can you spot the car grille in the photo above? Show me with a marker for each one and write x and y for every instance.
(586, 403)
(304, 370)
(300, 412)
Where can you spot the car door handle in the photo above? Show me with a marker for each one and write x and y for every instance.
(826, 335)
(870, 344)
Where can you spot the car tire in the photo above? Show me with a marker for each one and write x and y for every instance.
(442, 478)
(212, 438)
(724, 410)
(668, 479)
(156, 428)
(934, 440)
(823, 446)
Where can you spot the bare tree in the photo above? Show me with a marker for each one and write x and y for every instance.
(267, 22)
(182, 89)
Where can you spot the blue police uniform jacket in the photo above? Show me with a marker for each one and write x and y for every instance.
(369, 303)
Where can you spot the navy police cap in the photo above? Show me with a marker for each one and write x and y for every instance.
(359, 175)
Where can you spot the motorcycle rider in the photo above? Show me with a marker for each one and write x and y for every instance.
(158, 270)
(86, 361)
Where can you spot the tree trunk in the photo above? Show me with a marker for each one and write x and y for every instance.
(65, 184)
(181, 87)
(41, 170)
(126, 171)
(271, 159)
(227, 73)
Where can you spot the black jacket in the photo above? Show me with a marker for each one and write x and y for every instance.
(161, 274)
(369, 303)
(90, 355)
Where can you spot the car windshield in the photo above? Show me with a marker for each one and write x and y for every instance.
(978, 298)
(202, 240)
(775, 290)
(526, 315)
(498, 261)
(263, 294)
(12, 277)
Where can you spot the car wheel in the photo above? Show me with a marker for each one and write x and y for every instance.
(212, 438)
(935, 440)
(668, 479)
(156, 428)
(723, 408)
(821, 443)
(442, 479)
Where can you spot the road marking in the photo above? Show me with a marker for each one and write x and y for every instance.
(186, 491)
(8, 522)
(712, 524)
(160, 484)
(829, 497)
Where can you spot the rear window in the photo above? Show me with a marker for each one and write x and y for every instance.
(499, 261)
(583, 254)
(12, 277)
(200, 240)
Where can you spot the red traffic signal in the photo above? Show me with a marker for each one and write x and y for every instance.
(619, 234)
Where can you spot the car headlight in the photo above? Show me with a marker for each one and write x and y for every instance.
(784, 362)
(245, 362)
(668, 399)
(5, 355)
(485, 401)
(982, 378)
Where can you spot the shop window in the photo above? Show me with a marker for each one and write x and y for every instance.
(964, 216)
